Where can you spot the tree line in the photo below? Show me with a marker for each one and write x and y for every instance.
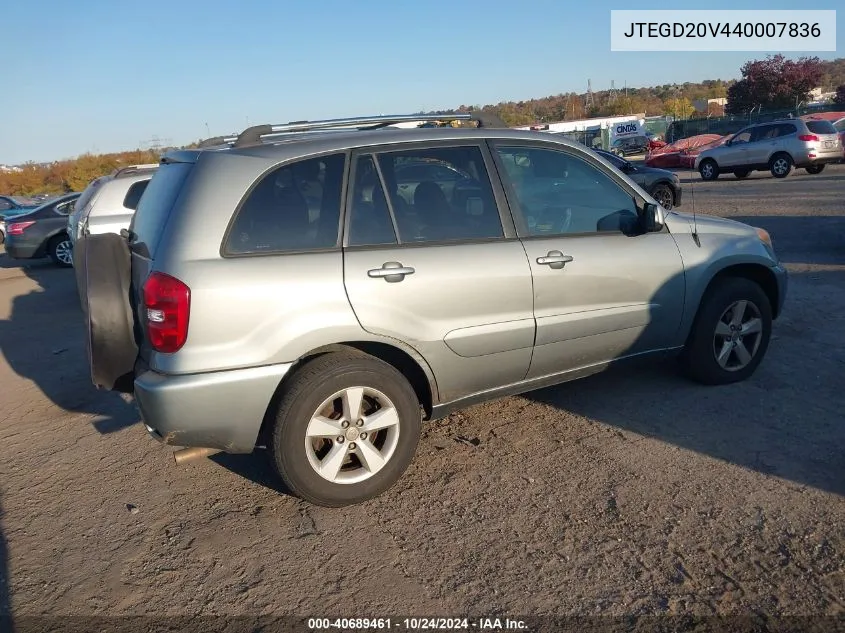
(768, 84)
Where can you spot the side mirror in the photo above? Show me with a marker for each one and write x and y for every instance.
(652, 217)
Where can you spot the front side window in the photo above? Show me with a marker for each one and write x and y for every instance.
(558, 193)
(295, 207)
(741, 137)
(434, 195)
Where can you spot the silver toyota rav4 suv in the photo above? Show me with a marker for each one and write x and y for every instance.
(777, 146)
(319, 292)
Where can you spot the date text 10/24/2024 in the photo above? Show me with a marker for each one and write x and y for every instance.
(417, 624)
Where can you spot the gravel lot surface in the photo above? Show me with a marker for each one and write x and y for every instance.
(633, 492)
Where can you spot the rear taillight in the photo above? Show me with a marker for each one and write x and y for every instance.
(808, 137)
(167, 305)
(17, 228)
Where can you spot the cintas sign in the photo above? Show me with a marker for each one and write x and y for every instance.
(628, 128)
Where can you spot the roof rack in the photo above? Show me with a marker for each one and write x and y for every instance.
(218, 140)
(120, 171)
(254, 134)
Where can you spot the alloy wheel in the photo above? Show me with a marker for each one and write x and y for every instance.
(352, 435)
(738, 334)
(64, 252)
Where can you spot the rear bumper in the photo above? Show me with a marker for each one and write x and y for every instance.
(22, 249)
(222, 410)
(820, 158)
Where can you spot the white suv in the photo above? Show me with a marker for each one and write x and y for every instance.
(109, 202)
(777, 146)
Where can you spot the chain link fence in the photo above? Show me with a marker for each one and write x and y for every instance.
(681, 129)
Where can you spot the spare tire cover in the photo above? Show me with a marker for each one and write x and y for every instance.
(103, 266)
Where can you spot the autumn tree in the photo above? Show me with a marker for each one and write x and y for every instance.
(678, 107)
(774, 83)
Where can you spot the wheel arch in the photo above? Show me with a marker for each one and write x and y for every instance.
(668, 183)
(758, 273)
(404, 359)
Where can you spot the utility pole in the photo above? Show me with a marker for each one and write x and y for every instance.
(589, 102)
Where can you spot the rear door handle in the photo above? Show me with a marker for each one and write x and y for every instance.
(391, 272)
(554, 259)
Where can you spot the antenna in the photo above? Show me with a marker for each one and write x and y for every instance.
(695, 237)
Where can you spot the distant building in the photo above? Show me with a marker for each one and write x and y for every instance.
(703, 105)
(818, 95)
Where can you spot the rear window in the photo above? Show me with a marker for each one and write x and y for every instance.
(821, 127)
(156, 203)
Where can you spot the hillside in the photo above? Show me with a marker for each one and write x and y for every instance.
(653, 101)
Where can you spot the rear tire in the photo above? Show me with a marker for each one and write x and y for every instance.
(742, 173)
(815, 169)
(708, 169)
(780, 165)
(60, 250)
(330, 460)
(730, 334)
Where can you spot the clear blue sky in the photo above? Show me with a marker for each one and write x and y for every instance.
(108, 76)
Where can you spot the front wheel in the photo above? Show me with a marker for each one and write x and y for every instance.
(708, 169)
(60, 250)
(730, 334)
(815, 169)
(346, 429)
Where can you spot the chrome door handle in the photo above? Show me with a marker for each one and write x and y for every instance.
(554, 259)
(391, 272)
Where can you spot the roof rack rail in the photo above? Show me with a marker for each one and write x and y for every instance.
(133, 168)
(218, 140)
(254, 134)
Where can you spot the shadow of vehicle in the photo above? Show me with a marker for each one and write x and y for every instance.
(43, 340)
(785, 420)
(6, 623)
(256, 467)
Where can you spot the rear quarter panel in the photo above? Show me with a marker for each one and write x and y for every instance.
(252, 310)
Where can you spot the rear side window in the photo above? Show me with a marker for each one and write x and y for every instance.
(295, 207)
(155, 205)
(133, 196)
(785, 129)
(821, 127)
(449, 197)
